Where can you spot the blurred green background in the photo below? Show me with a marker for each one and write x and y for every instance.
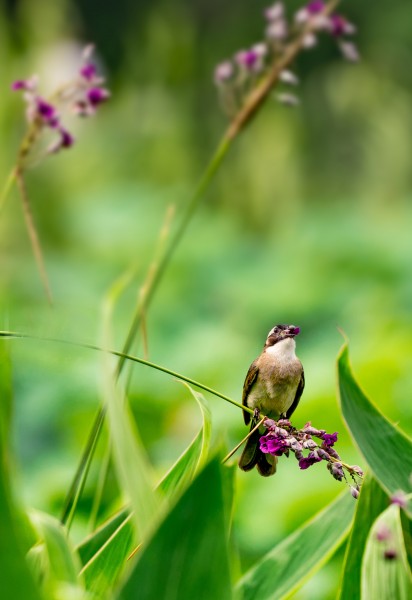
(308, 222)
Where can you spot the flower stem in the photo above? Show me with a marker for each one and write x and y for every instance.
(236, 448)
(32, 231)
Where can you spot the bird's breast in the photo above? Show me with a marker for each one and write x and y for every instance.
(275, 388)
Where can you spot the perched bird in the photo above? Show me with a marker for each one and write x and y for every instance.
(273, 386)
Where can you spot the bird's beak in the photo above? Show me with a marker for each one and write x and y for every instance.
(292, 331)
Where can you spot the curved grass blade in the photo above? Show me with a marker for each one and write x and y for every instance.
(187, 556)
(60, 563)
(372, 501)
(387, 450)
(104, 554)
(293, 561)
(385, 569)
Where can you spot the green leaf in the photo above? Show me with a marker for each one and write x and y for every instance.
(95, 541)
(195, 456)
(104, 554)
(387, 450)
(104, 568)
(62, 564)
(293, 561)
(16, 579)
(131, 462)
(187, 556)
(372, 501)
(383, 578)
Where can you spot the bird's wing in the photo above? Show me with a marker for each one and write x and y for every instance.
(299, 391)
(247, 386)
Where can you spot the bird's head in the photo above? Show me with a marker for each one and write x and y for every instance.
(281, 332)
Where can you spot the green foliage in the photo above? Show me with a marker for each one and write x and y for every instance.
(387, 450)
(187, 557)
(290, 563)
(56, 563)
(104, 554)
(385, 570)
(15, 573)
(372, 501)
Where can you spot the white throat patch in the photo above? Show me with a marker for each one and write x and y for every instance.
(285, 349)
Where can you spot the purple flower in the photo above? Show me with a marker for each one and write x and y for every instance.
(305, 463)
(97, 95)
(315, 7)
(340, 26)
(247, 59)
(275, 12)
(354, 491)
(88, 72)
(20, 84)
(336, 470)
(47, 112)
(223, 72)
(329, 439)
(272, 445)
(400, 499)
(66, 140)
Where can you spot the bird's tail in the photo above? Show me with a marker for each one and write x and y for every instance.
(252, 455)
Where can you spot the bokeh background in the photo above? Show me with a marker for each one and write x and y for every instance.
(308, 222)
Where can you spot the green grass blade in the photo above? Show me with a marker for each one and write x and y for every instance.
(104, 554)
(387, 450)
(103, 570)
(16, 579)
(63, 564)
(372, 501)
(383, 578)
(293, 561)
(131, 462)
(195, 456)
(187, 556)
(96, 540)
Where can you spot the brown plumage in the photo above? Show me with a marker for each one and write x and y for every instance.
(274, 384)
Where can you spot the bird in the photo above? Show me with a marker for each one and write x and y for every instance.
(274, 385)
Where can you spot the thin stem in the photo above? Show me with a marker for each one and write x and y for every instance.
(7, 187)
(236, 448)
(32, 231)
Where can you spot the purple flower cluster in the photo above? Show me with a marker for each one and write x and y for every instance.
(82, 96)
(234, 78)
(282, 438)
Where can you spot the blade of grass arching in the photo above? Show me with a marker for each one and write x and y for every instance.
(104, 554)
(285, 568)
(387, 450)
(18, 336)
(108, 551)
(61, 563)
(385, 570)
(372, 501)
(16, 578)
(187, 555)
